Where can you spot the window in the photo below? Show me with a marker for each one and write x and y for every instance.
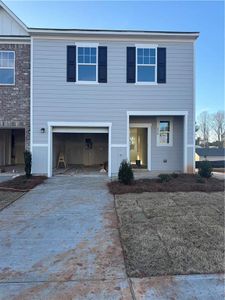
(7, 67)
(146, 65)
(87, 64)
(164, 137)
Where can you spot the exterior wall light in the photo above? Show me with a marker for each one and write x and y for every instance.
(42, 130)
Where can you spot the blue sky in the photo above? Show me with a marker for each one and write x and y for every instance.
(204, 16)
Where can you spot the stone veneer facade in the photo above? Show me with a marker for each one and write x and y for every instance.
(15, 99)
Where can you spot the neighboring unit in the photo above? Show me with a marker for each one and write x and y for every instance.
(211, 154)
(14, 88)
(101, 96)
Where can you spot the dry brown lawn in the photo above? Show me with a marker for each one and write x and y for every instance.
(172, 233)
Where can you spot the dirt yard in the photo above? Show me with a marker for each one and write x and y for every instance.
(182, 183)
(172, 233)
(21, 183)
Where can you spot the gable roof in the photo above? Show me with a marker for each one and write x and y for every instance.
(210, 151)
(10, 18)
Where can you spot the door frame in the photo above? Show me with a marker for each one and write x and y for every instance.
(148, 126)
(67, 125)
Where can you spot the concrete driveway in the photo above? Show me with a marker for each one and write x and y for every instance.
(60, 241)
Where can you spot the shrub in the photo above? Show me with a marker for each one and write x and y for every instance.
(125, 174)
(174, 175)
(205, 169)
(164, 177)
(27, 160)
(200, 179)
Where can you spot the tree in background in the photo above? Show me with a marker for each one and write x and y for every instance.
(204, 127)
(218, 125)
(210, 127)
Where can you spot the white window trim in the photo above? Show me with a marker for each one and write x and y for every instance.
(88, 45)
(146, 46)
(170, 144)
(14, 68)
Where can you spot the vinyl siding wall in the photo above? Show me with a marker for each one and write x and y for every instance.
(54, 99)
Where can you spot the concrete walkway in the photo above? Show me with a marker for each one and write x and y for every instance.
(60, 241)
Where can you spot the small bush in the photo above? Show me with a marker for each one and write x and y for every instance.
(174, 175)
(27, 160)
(125, 174)
(164, 177)
(205, 169)
(200, 179)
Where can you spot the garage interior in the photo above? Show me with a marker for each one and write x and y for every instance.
(80, 152)
(12, 147)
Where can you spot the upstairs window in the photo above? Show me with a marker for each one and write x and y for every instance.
(87, 64)
(7, 67)
(146, 65)
(164, 137)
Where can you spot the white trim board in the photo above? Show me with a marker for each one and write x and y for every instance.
(80, 130)
(118, 145)
(157, 113)
(40, 145)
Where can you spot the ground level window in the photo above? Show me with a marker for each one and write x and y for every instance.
(164, 137)
(7, 67)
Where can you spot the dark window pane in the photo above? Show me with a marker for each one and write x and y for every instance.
(140, 59)
(146, 74)
(86, 73)
(87, 51)
(146, 60)
(152, 52)
(152, 60)
(80, 59)
(6, 76)
(164, 126)
(140, 52)
(146, 52)
(80, 50)
(93, 51)
(87, 59)
(93, 59)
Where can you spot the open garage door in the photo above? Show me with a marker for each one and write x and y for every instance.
(80, 150)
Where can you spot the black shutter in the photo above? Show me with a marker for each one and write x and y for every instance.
(102, 64)
(71, 63)
(131, 64)
(161, 65)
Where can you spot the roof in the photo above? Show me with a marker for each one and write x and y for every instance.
(210, 151)
(147, 33)
(103, 32)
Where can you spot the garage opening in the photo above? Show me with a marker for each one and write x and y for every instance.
(84, 151)
(12, 147)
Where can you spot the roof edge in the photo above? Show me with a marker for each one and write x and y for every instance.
(55, 31)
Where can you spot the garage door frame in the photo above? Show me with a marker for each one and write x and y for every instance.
(68, 125)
